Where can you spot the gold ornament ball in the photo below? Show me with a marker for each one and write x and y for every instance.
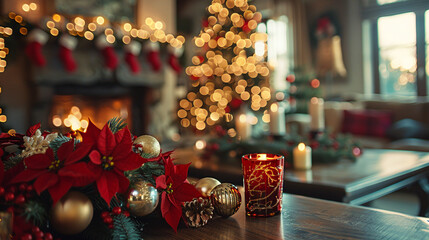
(147, 146)
(72, 213)
(143, 199)
(226, 199)
(205, 185)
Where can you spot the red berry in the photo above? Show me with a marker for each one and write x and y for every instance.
(48, 236)
(1, 191)
(30, 188)
(20, 199)
(108, 220)
(111, 226)
(12, 189)
(22, 187)
(126, 213)
(27, 237)
(9, 197)
(105, 214)
(117, 210)
(10, 209)
(35, 230)
(39, 234)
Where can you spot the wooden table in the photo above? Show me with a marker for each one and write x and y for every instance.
(302, 218)
(376, 173)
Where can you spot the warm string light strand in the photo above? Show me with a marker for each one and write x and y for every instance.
(230, 67)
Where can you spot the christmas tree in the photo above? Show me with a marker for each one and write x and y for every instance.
(303, 86)
(229, 70)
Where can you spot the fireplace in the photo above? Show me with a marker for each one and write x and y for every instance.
(71, 112)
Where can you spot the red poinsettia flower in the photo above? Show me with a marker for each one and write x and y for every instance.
(111, 155)
(176, 191)
(56, 175)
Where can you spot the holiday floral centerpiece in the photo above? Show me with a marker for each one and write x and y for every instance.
(99, 187)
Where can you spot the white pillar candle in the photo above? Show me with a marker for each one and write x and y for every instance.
(302, 157)
(243, 128)
(277, 120)
(315, 109)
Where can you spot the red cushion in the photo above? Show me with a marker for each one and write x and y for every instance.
(366, 122)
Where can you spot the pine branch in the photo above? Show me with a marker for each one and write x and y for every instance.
(124, 229)
(147, 172)
(35, 212)
(116, 124)
(57, 142)
(12, 162)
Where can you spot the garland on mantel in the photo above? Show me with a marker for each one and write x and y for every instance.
(105, 35)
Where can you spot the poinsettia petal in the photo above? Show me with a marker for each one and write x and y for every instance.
(95, 169)
(1, 171)
(27, 175)
(45, 181)
(185, 192)
(10, 174)
(123, 136)
(75, 170)
(161, 182)
(107, 186)
(60, 189)
(39, 161)
(180, 172)
(65, 150)
(106, 141)
(91, 135)
(82, 150)
(171, 213)
(30, 132)
(131, 162)
(122, 181)
(95, 157)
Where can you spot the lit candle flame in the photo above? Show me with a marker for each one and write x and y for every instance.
(301, 147)
(262, 156)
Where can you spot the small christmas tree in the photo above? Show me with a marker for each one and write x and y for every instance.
(229, 70)
(303, 86)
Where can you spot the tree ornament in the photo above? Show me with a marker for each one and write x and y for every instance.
(226, 199)
(143, 198)
(147, 146)
(205, 185)
(72, 213)
(197, 212)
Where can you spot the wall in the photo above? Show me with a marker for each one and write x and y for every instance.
(349, 15)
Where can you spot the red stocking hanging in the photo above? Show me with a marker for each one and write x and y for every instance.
(173, 58)
(67, 45)
(36, 39)
(132, 51)
(153, 57)
(109, 55)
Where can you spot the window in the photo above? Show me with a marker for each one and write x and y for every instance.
(280, 50)
(397, 54)
(398, 33)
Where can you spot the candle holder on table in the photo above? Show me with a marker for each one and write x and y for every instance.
(263, 184)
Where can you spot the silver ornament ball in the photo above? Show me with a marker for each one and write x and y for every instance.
(143, 199)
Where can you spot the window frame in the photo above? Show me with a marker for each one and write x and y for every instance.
(372, 13)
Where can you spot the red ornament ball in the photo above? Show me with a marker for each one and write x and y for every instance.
(290, 78)
(357, 151)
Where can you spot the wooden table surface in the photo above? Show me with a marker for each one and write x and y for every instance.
(302, 218)
(376, 173)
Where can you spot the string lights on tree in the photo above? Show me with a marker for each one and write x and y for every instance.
(230, 68)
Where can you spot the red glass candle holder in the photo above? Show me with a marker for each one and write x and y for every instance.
(263, 184)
